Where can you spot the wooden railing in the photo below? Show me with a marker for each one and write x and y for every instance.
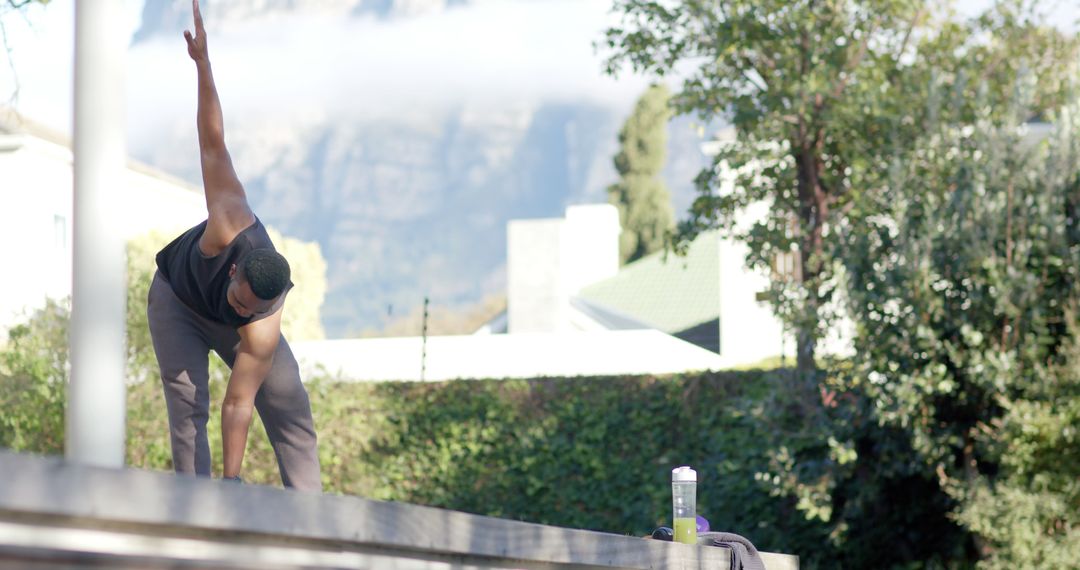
(58, 515)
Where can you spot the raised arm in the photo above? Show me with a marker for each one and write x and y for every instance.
(226, 204)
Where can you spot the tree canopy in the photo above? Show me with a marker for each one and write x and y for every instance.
(821, 96)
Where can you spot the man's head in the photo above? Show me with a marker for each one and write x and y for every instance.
(258, 279)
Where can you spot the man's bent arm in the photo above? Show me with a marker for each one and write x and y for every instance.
(254, 358)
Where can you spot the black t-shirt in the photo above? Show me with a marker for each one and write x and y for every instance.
(199, 280)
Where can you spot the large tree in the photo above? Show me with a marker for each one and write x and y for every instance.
(643, 199)
(821, 95)
(801, 83)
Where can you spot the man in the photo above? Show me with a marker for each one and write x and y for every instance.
(221, 286)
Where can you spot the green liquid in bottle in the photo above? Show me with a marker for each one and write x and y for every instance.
(686, 530)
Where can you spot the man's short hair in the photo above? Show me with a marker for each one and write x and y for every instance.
(266, 271)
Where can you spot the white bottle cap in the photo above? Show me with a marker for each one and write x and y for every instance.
(684, 474)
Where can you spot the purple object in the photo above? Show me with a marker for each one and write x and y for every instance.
(702, 524)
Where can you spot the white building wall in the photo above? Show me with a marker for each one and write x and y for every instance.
(35, 224)
(749, 331)
(525, 355)
(155, 202)
(550, 260)
(536, 299)
(590, 245)
(36, 218)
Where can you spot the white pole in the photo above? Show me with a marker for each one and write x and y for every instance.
(96, 394)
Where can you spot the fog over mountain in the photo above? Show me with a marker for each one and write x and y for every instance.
(401, 135)
(173, 16)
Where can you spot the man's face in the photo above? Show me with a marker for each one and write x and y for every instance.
(243, 300)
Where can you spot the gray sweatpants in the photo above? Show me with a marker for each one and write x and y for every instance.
(183, 340)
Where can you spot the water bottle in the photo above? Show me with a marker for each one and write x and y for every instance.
(684, 503)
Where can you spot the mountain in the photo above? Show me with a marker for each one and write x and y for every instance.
(411, 204)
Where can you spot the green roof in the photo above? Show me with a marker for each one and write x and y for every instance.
(669, 292)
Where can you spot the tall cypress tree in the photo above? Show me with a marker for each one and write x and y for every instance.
(642, 197)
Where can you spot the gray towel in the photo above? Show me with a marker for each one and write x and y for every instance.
(743, 554)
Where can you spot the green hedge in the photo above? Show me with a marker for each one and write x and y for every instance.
(781, 460)
(797, 465)
(596, 453)
(593, 453)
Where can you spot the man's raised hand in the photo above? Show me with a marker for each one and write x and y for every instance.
(196, 45)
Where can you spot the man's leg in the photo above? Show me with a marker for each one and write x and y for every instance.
(182, 359)
(285, 411)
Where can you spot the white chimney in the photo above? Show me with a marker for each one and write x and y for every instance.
(550, 260)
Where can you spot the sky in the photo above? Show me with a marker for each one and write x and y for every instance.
(40, 43)
(491, 53)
